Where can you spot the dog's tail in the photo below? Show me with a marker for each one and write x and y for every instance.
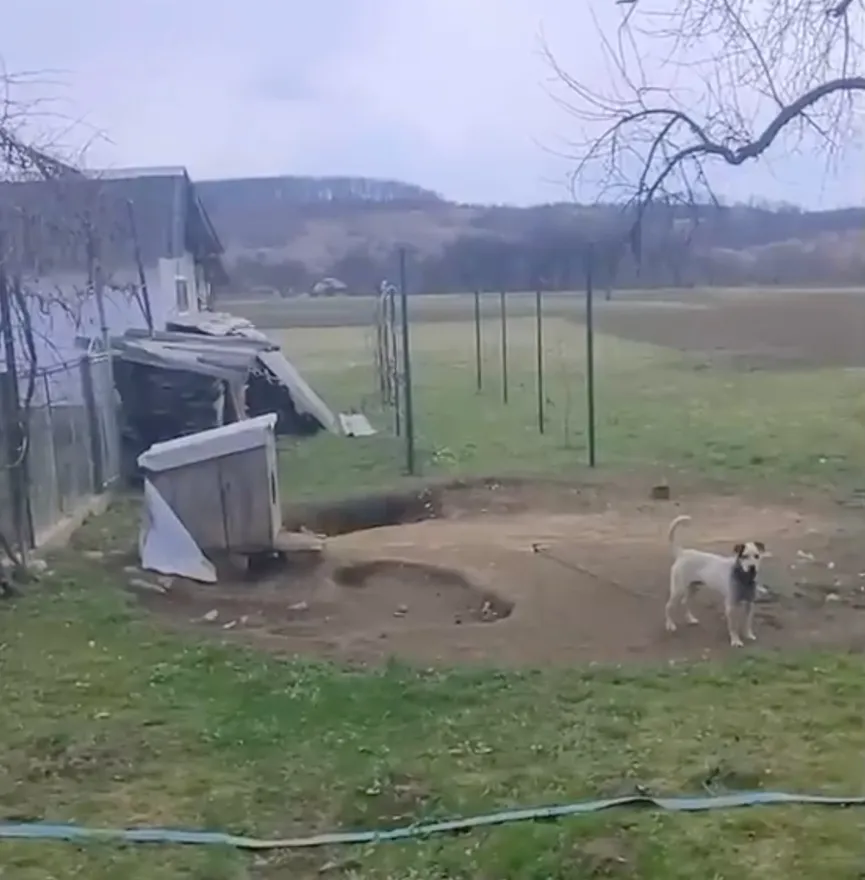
(674, 526)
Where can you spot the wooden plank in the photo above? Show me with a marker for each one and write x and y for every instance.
(194, 494)
(247, 496)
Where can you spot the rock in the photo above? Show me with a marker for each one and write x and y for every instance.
(211, 615)
(299, 606)
(341, 865)
(298, 542)
(149, 586)
(401, 611)
(661, 492)
(165, 582)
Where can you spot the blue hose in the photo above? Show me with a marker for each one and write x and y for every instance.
(78, 834)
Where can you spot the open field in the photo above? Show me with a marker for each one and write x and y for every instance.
(714, 399)
(442, 667)
(751, 442)
(347, 311)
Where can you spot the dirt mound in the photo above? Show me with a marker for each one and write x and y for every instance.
(594, 592)
(433, 594)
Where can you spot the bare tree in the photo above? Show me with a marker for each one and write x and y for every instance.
(696, 82)
(25, 158)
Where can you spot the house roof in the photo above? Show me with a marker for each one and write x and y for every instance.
(46, 222)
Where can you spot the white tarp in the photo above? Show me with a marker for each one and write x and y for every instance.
(165, 545)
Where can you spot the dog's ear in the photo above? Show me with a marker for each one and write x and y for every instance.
(760, 546)
(739, 549)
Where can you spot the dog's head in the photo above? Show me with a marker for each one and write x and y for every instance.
(748, 555)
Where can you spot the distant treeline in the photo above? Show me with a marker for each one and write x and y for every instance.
(358, 222)
(561, 261)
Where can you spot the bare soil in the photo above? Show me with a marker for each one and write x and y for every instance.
(750, 330)
(538, 574)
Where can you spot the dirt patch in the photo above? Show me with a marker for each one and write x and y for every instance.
(365, 511)
(566, 573)
(434, 594)
(765, 331)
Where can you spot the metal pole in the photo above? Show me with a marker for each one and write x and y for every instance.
(16, 437)
(478, 359)
(590, 355)
(97, 284)
(142, 278)
(406, 367)
(540, 320)
(393, 363)
(504, 312)
(379, 360)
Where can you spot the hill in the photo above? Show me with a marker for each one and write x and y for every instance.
(284, 233)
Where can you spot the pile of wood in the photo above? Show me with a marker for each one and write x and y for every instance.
(159, 404)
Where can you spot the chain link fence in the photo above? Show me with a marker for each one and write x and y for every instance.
(71, 448)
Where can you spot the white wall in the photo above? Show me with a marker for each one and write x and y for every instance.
(56, 328)
(169, 271)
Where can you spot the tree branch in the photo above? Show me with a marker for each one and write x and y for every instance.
(714, 79)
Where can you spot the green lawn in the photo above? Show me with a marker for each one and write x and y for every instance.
(656, 408)
(109, 719)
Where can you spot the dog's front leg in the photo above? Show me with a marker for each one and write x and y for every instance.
(730, 612)
(749, 623)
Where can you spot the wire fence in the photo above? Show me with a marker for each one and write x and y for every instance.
(729, 386)
(492, 360)
(724, 384)
(71, 448)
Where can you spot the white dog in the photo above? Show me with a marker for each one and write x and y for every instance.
(734, 577)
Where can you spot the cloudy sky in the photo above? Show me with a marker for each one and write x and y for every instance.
(449, 94)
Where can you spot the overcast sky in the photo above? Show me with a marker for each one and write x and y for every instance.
(448, 94)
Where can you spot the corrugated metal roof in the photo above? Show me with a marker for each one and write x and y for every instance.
(46, 221)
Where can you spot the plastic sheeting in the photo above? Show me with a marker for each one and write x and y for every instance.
(165, 545)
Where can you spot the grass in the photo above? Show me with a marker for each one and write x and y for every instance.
(109, 719)
(657, 409)
(358, 311)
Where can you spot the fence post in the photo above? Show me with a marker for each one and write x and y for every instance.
(406, 367)
(94, 425)
(16, 437)
(393, 362)
(540, 344)
(479, 370)
(590, 354)
(504, 311)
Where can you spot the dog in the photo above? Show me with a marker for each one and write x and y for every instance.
(734, 577)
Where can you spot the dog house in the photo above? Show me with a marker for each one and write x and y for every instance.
(222, 484)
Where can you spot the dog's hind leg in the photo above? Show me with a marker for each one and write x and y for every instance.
(675, 598)
(686, 598)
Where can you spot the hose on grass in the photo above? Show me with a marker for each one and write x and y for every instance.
(80, 834)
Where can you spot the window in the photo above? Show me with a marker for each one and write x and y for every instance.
(181, 289)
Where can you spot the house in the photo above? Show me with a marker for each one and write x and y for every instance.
(141, 236)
